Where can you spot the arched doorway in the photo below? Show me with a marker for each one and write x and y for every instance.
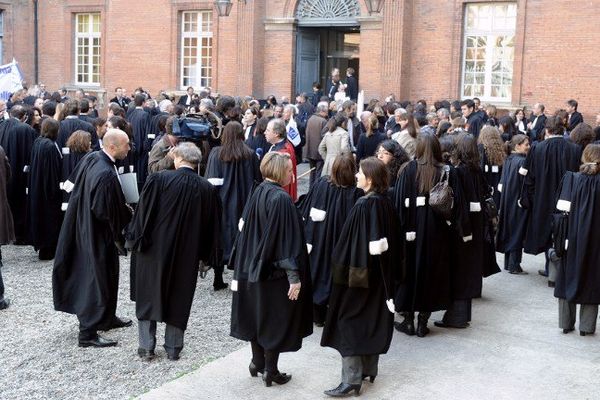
(328, 36)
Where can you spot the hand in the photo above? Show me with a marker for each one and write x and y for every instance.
(294, 291)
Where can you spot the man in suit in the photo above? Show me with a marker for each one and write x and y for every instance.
(333, 84)
(575, 117)
(186, 99)
(351, 84)
(120, 98)
(537, 126)
(353, 124)
(472, 117)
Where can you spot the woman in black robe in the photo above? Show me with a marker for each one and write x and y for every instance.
(512, 217)
(366, 264)
(232, 168)
(427, 286)
(44, 216)
(78, 145)
(324, 210)
(578, 277)
(256, 139)
(393, 156)
(270, 265)
(473, 254)
(492, 156)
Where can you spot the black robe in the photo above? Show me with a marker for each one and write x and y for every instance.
(366, 264)
(173, 228)
(16, 138)
(474, 258)
(544, 167)
(258, 143)
(324, 210)
(492, 174)
(44, 215)
(578, 278)
(427, 285)
(70, 162)
(512, 222)
(70, 125)
(234, 182)
(85, 280)
(270, 242)
(140, 123)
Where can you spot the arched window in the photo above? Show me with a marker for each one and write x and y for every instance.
(313, 12)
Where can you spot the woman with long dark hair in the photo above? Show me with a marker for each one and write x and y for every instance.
(256, 138)
(324, 210)
(474, 253)
(407, 137)
(233, 168)
(44, 216)
(427, 286)
(366, 264)
(512, 221)
(335, 142)
(272, 302)
(394, 157)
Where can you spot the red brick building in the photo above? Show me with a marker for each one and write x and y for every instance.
(508, 53)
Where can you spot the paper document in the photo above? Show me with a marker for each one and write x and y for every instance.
(130, 187)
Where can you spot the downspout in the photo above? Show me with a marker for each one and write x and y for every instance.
(35, 43)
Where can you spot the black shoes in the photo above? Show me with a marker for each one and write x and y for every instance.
(146, 355)
(279, 378)
(219, 286)
(116, 323)
(371, 377)
(254, 370)
(442, 324)
(569, 330)
(551, 284)
(543, 272)
(5, 304)
(343, 390)
(517, 271)
(407, 327)
(422, 329)
(98, 341)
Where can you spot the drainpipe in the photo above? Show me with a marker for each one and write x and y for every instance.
(35, 42)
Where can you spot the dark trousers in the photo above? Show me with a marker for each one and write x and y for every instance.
(1, 281)
(266, 359)
(459, 312)
(354, 367)
(512, 260)
(218, 271)
(319, 313)
(316, 173)
(173, 337)
(588, 314)
(410, 316)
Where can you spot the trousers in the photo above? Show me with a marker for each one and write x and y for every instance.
(266, 359)
(512, 260)
(459, 312)
(173, 337)
(588, 313)
(354, 367)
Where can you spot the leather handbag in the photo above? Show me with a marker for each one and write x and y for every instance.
(560, 228)
(441, 196)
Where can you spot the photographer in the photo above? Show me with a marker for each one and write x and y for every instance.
(161, 155)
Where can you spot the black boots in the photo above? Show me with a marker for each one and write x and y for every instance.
(422, 329)
(343, 390)
(408, 325)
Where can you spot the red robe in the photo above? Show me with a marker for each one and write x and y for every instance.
(286, 147)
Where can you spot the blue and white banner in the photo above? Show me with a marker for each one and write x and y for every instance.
(10, 79)
(292, 132)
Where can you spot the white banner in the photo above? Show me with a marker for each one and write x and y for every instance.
(10, 79)
(292, 132)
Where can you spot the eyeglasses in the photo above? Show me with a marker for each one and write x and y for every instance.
(383, 153)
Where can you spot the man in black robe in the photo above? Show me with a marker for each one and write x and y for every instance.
(473, 118)
(168, 254)
(543, 169)
(72, 123)
(16, 137)
(85, 280)
(140, 122)
(84, 111)
(536, 126)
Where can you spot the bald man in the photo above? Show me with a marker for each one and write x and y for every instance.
(85, 280)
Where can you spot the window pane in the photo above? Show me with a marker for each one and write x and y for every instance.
(88, 48)
(196, 48)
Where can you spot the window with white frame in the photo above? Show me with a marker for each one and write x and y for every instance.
(87, 48)
(196, 49)
(489, 48)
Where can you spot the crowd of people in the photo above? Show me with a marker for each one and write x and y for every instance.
(406, 208)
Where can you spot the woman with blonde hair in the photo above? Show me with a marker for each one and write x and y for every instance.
(492, 156)
(369, 140)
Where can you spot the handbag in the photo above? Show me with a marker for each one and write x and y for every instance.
(491, 213)
(560, 228)
(441, 196)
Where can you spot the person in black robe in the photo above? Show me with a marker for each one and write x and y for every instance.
(427, 285)
(128, 164)
(233, 169)
(324, 210)
(78, 146)
(272, 296)
(394, 157)
(492, 155)
(256, 138)
(85, 279)
(474, 119)
(7, 232)
(140, 122)
(512, 221)
(366, 266)
(16, 138)
(351, 84)
(168, 253)
(44, 215)
(72, 123)
(543, 169)
(474, 255)
(578, 280)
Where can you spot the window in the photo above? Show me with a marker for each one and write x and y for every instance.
(196, 48)
(489, 48)
(87, 48)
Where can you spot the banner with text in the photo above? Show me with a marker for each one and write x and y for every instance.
(10, 79)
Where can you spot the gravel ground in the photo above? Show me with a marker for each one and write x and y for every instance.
(39, 356)
(38, 346)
